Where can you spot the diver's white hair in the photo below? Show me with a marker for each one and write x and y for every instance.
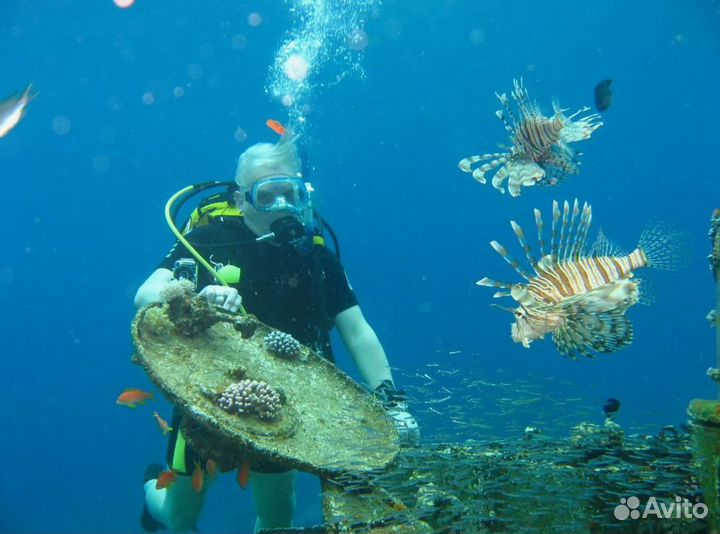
(265, 159)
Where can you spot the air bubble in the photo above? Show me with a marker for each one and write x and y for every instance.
(297, 68)
(61, 125)
(254, 19)
(357, 40)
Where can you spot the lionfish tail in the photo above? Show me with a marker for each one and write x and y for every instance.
(665, 247)
(590, 333)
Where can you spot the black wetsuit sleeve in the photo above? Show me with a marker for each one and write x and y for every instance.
(339, 295)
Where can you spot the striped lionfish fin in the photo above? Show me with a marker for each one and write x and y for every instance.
(520, 233)
(489, 282)
(527, 107)
(512, 261)
(582, 232)
(555, 232)
(493, 161)
(571, 233)
(506, 115)
(540, 227)
(604, 247)
(587, 333)
(564, 231)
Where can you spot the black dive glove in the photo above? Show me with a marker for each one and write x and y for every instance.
(394, 402)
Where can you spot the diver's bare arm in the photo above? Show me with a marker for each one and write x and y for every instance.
(149, 291)
(364, 347)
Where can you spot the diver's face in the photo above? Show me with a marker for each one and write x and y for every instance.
(258, 221)
(268, 198)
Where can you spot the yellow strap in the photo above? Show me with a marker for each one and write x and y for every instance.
(204, 214)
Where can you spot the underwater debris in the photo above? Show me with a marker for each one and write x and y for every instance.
(177, 289)
(714, 374)
(704, 411)
(540, 151)
(194, 370)
(531, 431)
(190, 313)
(705, 432)
(603, 95)
(714, 235)
(579, 296)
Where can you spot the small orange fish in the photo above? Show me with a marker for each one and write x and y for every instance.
(198, 477)
(165, 479)
(276, 126)
(211, 468)
(243, 476)
(163, 424)
(132, 397)
(395, 504)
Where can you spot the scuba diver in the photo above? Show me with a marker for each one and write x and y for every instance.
(263, 250)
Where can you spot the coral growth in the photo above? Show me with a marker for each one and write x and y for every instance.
(190, 313)
(251, 397)
(283, 344)
(177, 289)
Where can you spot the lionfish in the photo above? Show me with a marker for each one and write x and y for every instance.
(580, 297)
(539, 151)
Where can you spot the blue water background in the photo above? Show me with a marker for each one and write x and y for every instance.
(78, 238)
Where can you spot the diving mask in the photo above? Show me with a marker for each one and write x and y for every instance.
(279, 193)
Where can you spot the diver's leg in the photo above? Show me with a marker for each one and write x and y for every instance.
(179, 506)
(274, 495)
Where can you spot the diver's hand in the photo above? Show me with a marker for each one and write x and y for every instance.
(226, 297)
(395, 406)
(406, 425)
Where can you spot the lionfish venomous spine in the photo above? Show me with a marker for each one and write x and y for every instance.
(539, 151)
(579, 296)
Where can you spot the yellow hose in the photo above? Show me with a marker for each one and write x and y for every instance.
(186, 243)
